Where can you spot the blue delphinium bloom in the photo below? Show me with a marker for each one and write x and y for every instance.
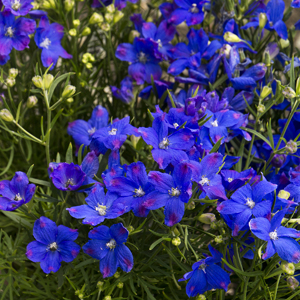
(232, 180)
(14, 32)
(132, 189)
(99, 208)
(144, 58)
(113, 136)
(114, 167)
(82, 131)
(119, 4)
(53, 245)
(48, 38)
(18, 7)
(167, 148)
(107, 245)
(248, 201)
(206, 275)
(295, 4)
(125, 92)
(280, 239)
(172, 192)
(16, 192)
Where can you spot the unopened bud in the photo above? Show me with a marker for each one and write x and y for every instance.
(47, 80)
(38, 81)
(231, 37)
(70, 100)
(120, 285)
(214, 226)
(76, 23)
(207, 218)
(86, 31)
(292, 283)
(219, 239)
(284, 43)
(49, 4)
(13, 72)
(10, 82)
(96, 19)
(130, 228)
(284, 194)
(298, 87)
(69, 4)
(100, 284)
(118, 16)
(109, 17)
(117, 275)
(31, 101)
(176, 231)
(176, 241)
(288, 268)
(69, 91)
(200, 297)
(289, 93)
(6, 116)
(291, 147)
(266, 91)
(261, 108)
(191, 205)
(105, 27)
(110, 8)
(107, 298)
(262, 20)
(73, 32)
(80, 296)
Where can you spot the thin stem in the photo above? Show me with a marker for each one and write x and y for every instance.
(48, 128)
(29, 134)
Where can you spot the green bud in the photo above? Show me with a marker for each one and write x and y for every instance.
(77, 292)
(284, 43)
(267, 59)
(69, 4)
(298, 87)
(89, 65)
(207, 218)
(289, 93)
(35, 5)
(76, 23)
(214, 226)
(108, 17)
(70, 100)
(13, 73)
(288, 268)
(110, 8)
(69, 91)
(218, 239)
(130, 228)
(47, 80)
(265, 92)
(262, 20)
(38, 81)
(231, 37)
(73, 32)
(261, 108)
(176, 232)
(100, 284)
(80, 296)
(105, 27)
(86, 31)
(120, 285)
(10, 82)
(176, 241)
(107, 298)
(284, 194)
(200, 297)
(31, 101)
(5, 115)
(96, 19)
(292, 283)
(49, 4)
(118, 16)
(191, 205)
(117, 275)
(291, 147)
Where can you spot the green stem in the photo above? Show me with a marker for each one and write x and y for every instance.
(48, 128)
(29, 134)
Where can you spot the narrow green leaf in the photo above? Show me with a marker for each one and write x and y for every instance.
(79, 158)
(153, 245)
(18, 111)
(69, 154)
(17, 219)
(257, 134)
(270, 134)
(171, 99)
(29, 171)
(292, 74)
(216, 146)
(55, 83)
(39, 182)
(247, 274)
(56, 117)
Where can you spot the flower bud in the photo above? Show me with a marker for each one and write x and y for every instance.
(120, 285)
(10, 82)
(5, 115)
(207, 218)
(35, 5)
(262, 20)
(69, 91)
(218, 239)
(284, 43)
(76, 23)
(278, 160)
(110, 8)
(231, 37)
(86, 31)
(298, 87)
(267, 59)
(80, 296)
(105, 27)
(291, 147)
(117, 275)
(100, 284)
(96, 19)
(13, 73)
(289, 93)
(38, 81)
(213, 226)
(176, 232)
(292, 283)
(118, 16)
(200, 297)
(70, 100)
(266, 91)
(284, 194)
(176, 241)
(261, 108)
(73, 32)
(49, 4)
(191, 205)
(109, 17)
(130, 228)
(31, 101)
(288, 268)
(69, 4)
(107, 298)
(47, 80)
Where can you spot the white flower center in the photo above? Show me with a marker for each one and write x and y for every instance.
(194, 9)
(214, 123)
(273, 235)
(159, 43)
(111, 244)
(250, 203)
(9, 31)
(142, 57)
(164, 144)
(92, 131)
(175, 125)
(18, 197)
(174, 192)
(202, 267)
(113, 131)
(70, 181)
(45, 43)
(16, 5)
(101, 209)
(53, 246)
(204, 180)
(139, 192)
(230, 179)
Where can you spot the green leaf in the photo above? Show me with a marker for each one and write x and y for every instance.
(292, 74)
(39, 182)
(171, 99)
(16, 218)
(29, 171)
(216, 146)
(153, 245)
(69, 154)
(150, 115)
(86, 262)
(9, 161)
(247, 274)
(79, 158)
(55, 83)
(56, 117)
(270, 134)
(18, 111)
(257, 134)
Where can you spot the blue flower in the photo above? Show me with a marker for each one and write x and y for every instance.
(16, 192)
(18, 7)
(119, 4)
(172, 192)
(14, 33)
(48, 37)
(206, 275)
(280, 239)
(53, 245)
(107, 245)
(295, 4)
(248, 201)
(82, 131)
(144, 58)
(125, 92)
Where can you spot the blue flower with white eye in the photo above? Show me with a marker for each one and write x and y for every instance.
(125, 93)
(107, 245)
(18, 7)
(53, 245)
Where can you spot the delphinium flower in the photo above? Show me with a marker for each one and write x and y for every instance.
(114, 167)
(107, 245)
(125, 93)
(232, 180)
(82, 131)
(247, 201)
(16, 192)
(14, 33)
(53, 245)
(295, 4)
(144, 58)
(170, 191)
(206, 275)
(280, 239)
(167, 148)
(99, 207)
(119, 4)
(113, 136)
(18, 7)
(48, 38)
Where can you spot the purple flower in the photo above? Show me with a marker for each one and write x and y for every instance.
(248, 201)
(280, 239)
(107, 245)
(295, 4)
(119, 4)
(48, 37)
(232, 180)
(82, 131)
(172, 192)
(206, 275)
(18, 7)
(99, 208)
(14, 33)
(16, 192)
(114, 167)
(144, 58)
(125, 92)
(53, 245)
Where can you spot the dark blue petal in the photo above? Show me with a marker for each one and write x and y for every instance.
(45, 230)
